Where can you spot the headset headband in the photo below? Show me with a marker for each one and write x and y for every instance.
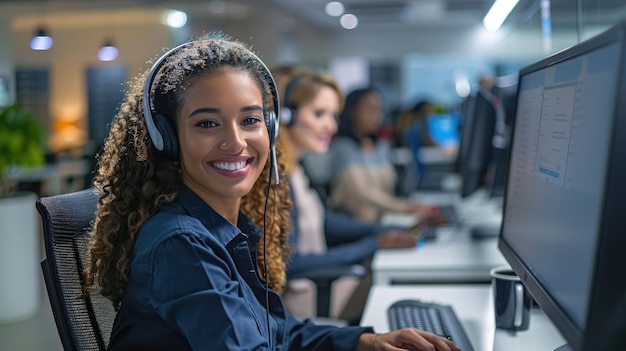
(155, 135)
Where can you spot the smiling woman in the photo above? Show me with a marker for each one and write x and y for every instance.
(184, 267)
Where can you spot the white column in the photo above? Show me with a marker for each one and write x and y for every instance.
(20, 271)
(7, 69)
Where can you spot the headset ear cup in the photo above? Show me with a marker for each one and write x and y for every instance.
(285, 116)
(288, 112)
(170, 140)
(272, 124)
(288, 116)
(294, 115)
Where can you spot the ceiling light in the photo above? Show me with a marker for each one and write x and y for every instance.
(349, 21)
(334, 8)
(461, 83)
(498, 12)
(176, 19)
(108, 52)
(41, 40)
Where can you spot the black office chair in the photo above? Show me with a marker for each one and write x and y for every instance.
(324, 278)
(84, 321)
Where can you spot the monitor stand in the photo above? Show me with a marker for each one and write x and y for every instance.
(484, 231)
(564, 348)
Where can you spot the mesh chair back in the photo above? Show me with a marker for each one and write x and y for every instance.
(84, 321)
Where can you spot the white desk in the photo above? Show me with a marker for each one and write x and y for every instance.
(474, 308)
(454, 257)
(478, 208)
(54, 174)
(435, 155)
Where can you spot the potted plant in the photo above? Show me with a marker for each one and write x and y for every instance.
(21, 145)
(21, 142)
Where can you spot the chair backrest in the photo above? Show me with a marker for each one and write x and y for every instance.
(84, 321)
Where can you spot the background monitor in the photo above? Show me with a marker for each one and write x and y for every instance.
(443, 129)
(466, 112)
(477, 133)
(564, 225)
(506, 91)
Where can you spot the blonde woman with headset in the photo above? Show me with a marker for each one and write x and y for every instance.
(311, 102)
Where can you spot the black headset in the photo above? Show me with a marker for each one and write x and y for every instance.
(163, 134)
(289, 112)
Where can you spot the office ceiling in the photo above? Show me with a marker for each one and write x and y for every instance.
(453, 13)
(395, 13)
(372, 14)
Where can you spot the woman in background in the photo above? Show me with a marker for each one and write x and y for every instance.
(311, 102)
(363, 179)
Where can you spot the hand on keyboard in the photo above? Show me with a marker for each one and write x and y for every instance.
(405, 339)
(424, 211)
(427, 228)
(433, 220)
(432, 317)
(396, 239)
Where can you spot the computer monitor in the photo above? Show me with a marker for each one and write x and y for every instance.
(464, 130)
(564, 225)
(506, 92)
(443, 129)
(476, 142)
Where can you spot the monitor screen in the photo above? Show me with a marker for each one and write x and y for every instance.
(563, 224)
(443, 129)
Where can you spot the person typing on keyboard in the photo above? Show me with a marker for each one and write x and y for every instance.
(407, 339)
(429, 316)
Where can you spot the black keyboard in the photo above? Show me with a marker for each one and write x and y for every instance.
(428, 232)
(431, 317)
(449, 212)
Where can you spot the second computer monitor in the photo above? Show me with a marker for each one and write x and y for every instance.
(476, 142)
(564, 220)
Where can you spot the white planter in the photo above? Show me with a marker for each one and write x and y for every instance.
(20, 270)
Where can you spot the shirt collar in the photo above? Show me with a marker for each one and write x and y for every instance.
(214, 222)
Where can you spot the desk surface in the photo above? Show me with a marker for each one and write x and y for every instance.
(53, 173)
(453, 257)
(436, 155)
(473, 306)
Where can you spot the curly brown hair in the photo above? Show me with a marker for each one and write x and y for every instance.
(273, 217)
(134, 180)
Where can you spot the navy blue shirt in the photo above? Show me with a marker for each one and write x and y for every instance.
(194, 286)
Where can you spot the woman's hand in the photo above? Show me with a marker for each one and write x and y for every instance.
(405, 339)
(429, 215)
(396, 239)
(424, 211)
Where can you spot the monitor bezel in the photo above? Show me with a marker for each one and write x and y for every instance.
(607, 287)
